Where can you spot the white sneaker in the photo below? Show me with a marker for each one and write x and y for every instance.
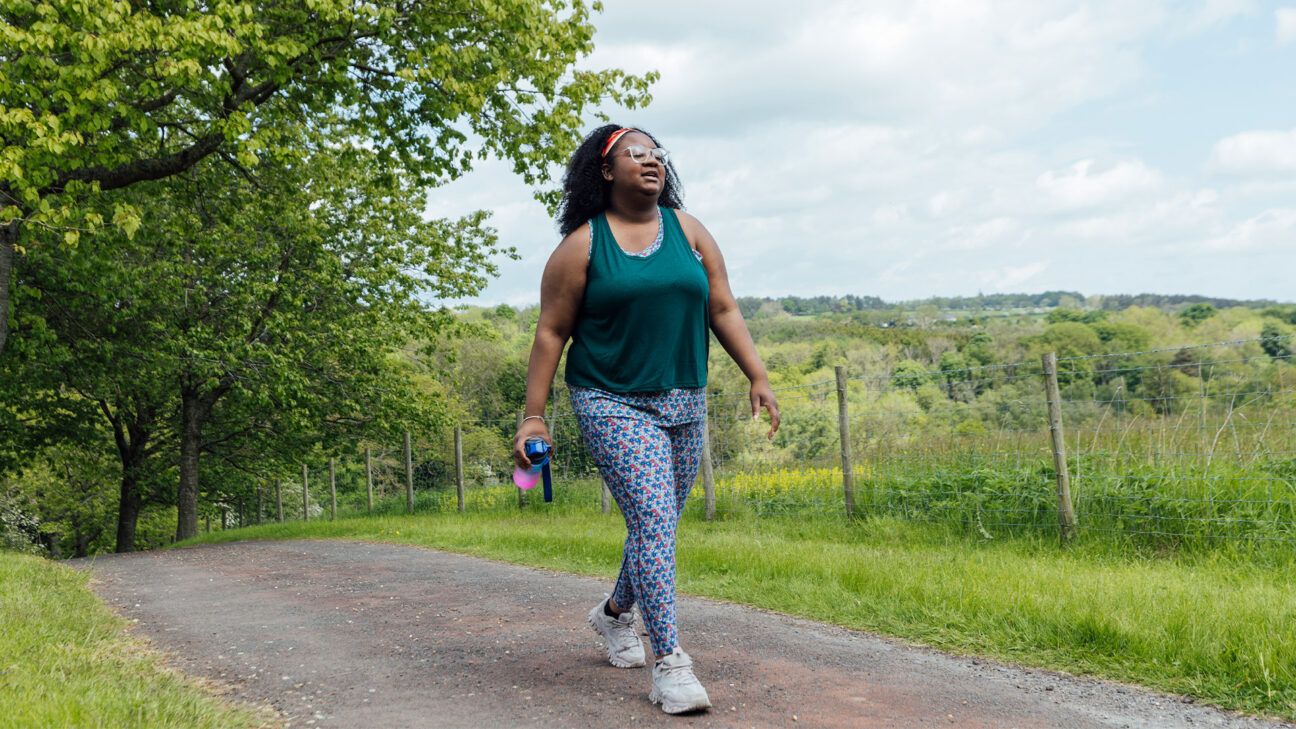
(674, 685)
(625, 650)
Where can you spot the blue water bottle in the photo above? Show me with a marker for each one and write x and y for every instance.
(538, 452)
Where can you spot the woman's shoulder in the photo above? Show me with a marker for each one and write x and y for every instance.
(686, 219)
(574, 246)
(693, 228)
(579, 234)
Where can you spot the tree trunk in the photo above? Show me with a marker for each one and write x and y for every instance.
(193, 411)
(131, 501)
(128, 510)
(8, 239)
(82, 543)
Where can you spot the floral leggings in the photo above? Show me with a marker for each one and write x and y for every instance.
(647, 447)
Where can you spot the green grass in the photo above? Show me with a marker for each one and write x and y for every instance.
(66, 660)
(1209, 624)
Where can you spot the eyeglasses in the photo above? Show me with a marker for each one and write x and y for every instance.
(640, 153)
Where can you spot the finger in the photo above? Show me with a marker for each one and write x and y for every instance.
(519, 457)
(755, 403)
(775, 419)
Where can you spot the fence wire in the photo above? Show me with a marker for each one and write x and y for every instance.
(1168, 446)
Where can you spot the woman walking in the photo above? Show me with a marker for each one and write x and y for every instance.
(637, 285)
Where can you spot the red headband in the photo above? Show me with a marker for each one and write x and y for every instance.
(615, 136)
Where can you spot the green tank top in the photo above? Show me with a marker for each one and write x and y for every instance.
(643, 325)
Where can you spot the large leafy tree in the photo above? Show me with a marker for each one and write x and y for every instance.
(254, 315)
(98, 95)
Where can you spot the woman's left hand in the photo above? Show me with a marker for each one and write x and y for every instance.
(762, 396)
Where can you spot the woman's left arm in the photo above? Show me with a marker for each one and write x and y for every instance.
(727, 321)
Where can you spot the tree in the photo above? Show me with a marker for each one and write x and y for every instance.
(909, 374)
(259, 312)
(295, 301)
(1195, 314)
(1275, 342)
(954, 370)
(98, 96)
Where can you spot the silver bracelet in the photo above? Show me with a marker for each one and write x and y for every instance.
(541, 417)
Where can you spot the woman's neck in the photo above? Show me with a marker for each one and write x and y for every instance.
(636, 210)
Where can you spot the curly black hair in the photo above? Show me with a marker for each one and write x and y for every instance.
(585, 192)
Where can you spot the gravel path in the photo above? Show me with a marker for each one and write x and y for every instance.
(362, 634)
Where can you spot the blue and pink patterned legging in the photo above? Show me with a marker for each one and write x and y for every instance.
(647, 447)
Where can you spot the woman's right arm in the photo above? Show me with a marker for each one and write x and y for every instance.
(562, 287)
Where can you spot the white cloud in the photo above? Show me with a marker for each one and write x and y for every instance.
(1257, 151)
(993, 64)
(906, 148)
(1285, 24)
(1084, 184)
(1178, 218)
(1273, 228)
(1011, 277)
(1198, 15)
(998, 232)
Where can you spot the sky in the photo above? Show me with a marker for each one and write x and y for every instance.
(938, 148)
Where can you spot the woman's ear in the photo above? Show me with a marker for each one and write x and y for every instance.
(607, 173)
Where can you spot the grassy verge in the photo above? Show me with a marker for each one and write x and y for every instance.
(65, 660)
(1207, 624)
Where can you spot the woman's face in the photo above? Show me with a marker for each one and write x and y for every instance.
(646, 178)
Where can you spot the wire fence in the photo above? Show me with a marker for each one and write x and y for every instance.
(1167, 447)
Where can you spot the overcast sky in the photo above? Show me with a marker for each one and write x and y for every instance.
(908, 149)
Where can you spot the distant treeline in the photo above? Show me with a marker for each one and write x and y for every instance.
(811, 305)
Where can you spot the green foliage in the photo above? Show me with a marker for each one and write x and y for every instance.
(1120, 337)
(95, 94)
(73, 493)
(1072, 341)
(19, 528)
(1275, 342)
(1166, 389)
(909, 374)
(1195, 314)
(1059, 315)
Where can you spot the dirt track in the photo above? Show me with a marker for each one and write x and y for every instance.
(359, 634)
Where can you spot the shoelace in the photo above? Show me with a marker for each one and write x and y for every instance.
(681, 672)
(625, 630)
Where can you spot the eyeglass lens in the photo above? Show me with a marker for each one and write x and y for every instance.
(639, 153)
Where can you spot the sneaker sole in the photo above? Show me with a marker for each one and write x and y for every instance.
(589, 620)
(673, 708)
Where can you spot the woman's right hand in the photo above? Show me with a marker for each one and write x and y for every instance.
(533, 428)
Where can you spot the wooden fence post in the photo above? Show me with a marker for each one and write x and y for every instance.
(260, 503)
(305, 494)
(459, 474)
(368, 480)
(843, 428)
(1066, 514)
(409, 475)
(333, 489)
(278, 500)
(708, 474)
